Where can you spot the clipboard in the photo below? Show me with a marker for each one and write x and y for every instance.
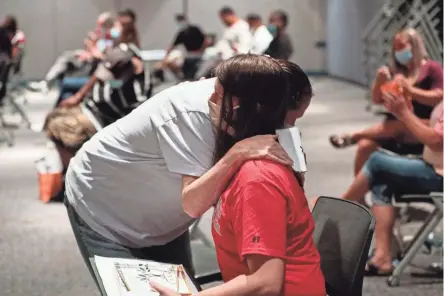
(194, 287)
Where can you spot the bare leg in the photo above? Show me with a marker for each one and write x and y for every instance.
(385, 217)
(365, 148)
(388, 129)
(357, 189)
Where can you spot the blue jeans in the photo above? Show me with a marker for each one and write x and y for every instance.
(393, 174)
(70, 86)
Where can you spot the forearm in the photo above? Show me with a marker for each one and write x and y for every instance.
(81, 94)
(422, 132)
(376, 93)
(238, 286)
(426, 97)
(204, 192)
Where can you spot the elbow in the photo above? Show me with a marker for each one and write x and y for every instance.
(190, 209)
(436, 143)
(270, 289)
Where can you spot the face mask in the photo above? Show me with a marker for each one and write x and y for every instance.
(181, 25)
(272, 29)
(115, 33)
(215, 110)
(404, 56)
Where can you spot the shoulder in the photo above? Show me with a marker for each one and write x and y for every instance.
(433, 65)
(265, 171)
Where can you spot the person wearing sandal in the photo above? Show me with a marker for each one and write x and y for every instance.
(420, 78)
(388, 174)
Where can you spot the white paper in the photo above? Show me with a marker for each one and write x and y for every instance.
(290, 140)
(136, 274)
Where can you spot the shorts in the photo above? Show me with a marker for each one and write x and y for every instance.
(69, 128)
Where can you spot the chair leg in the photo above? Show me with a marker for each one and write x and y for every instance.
(21, 112)
(417, 242)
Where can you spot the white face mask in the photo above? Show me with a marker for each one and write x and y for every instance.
(215, 110)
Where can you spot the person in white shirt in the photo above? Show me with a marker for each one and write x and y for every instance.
(261, 36)
(237, 38)
(136, 186)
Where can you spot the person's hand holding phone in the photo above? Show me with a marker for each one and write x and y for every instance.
(396, 104)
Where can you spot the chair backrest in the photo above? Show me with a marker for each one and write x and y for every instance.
(343, 234)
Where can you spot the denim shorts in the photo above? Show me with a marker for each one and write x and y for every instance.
(392, 174)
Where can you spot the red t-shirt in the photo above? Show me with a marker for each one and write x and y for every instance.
(264, 211)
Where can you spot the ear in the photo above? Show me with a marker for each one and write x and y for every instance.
(235, 102)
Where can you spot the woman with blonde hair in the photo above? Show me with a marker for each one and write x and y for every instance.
(419, 78)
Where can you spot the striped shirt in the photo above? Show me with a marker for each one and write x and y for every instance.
(112, 100)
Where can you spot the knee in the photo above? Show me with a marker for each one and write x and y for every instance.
(366, 146)
(373, 162)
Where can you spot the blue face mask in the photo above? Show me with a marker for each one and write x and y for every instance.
(404, 56)
(272, 29)
(115, 33)
(181, 25)
(101, 45)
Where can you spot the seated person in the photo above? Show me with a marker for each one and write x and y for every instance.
(236, 39)
(114, 86)
(5, 59)
(74, 60)
(262, 226)
(193, 40)
(281, 46)
(123, 31)
(261, 35)
(419, 77)
(386, 175)
(18, 39)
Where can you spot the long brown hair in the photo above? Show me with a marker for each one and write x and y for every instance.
(259, 84)
(419, 53)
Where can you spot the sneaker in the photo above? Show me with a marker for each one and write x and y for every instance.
(39, 86)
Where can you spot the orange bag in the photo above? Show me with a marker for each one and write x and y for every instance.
(50, 175)
(50, 185)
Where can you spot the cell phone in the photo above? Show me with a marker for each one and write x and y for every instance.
(392, 87)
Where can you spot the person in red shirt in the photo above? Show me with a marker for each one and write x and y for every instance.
(262, 226)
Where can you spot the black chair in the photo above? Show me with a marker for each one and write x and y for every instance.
(343, 235)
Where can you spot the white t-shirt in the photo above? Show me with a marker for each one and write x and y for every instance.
(126, 181)
(261, 40)
(237, 34)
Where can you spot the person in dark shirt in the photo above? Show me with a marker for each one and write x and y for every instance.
(280, 47)
(193, 40)
(5, 59)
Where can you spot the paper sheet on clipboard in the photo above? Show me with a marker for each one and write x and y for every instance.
(129, 277)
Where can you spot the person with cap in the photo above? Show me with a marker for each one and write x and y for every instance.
(111, 93)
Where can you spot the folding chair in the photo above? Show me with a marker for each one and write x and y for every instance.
(6, 130)
(343, 234)
(435, 198)
(16, 89)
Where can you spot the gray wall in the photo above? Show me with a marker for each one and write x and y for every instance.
(346, 20)
(53, 26)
